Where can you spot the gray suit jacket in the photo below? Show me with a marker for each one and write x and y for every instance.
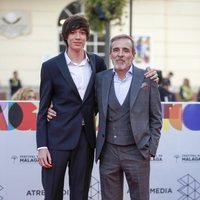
(145, 111)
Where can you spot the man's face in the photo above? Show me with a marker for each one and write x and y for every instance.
(122, 54)
(76, 39)
(15, 75)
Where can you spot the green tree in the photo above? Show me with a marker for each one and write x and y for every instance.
(100, 11)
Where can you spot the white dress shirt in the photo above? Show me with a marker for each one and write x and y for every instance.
(81, 73)
(122, 86)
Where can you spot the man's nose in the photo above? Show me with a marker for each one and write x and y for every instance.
(120, 53)
(77, 35)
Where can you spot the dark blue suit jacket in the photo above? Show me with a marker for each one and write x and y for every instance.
(57, 87)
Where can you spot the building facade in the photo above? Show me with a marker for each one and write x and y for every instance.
(167, 29)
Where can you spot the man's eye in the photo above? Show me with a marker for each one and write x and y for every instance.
(126, 50)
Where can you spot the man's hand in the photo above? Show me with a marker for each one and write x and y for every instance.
(152, 74)
(44, 158)
(51, 114)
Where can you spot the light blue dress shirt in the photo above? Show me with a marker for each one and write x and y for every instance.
(122, 86)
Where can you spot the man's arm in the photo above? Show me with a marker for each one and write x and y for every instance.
(44, 157)
(45, 102)
(155, 118)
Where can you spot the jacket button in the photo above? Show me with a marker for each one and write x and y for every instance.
(102, 135)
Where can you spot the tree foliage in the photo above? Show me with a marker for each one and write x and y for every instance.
(98, 11)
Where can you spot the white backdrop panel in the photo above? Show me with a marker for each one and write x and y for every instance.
(174, 171)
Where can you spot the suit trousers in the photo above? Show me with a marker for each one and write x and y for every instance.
(119, 161)
(79, 162)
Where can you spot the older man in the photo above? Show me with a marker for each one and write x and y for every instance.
(129, 124)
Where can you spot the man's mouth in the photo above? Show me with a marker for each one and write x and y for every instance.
(120, 61)
(77, 43)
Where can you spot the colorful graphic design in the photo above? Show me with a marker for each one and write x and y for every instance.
(22, 116)
(179, 116)
(18, 115)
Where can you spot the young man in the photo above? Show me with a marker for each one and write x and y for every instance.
(129, 124)
(67, 82)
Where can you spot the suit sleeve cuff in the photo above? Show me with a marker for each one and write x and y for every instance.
(41, 148)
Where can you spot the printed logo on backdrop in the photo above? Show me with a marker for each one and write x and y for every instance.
(157, 158)
(1, 188)
(24, 159)
(38, 193)
(35, 193)
(190, 188)
(94, 192)
(161, 191)
(188, 158)
(181, 117)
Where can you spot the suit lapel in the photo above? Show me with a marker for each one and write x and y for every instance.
(106, 84)
(138, 77)
(62, 65)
